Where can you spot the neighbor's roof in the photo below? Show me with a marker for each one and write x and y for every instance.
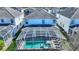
(68, 12)
(8, 12)
(40, 14)
(5, 29)
(76, 15)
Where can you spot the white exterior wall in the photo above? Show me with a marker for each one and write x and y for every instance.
(16, 29)
(64, 22)
(49, 11)
(18, 24)
(19, 19)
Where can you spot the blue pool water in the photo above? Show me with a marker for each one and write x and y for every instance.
(36, 44)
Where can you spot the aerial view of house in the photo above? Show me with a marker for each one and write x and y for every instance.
(40, 32)
(39, 29)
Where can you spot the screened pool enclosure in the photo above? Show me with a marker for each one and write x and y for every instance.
(38, 38)
(6, 33)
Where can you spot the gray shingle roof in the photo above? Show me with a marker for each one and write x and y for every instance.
(40, 14)
(5, 29)
(8, 12)
(76, 15)
(68, 12)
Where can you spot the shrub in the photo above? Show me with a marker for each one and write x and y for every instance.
(1, 44)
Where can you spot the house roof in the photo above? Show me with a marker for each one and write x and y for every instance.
(75, 15)
(68, 12)
(8, 12)
(5, 29)
(40, 14)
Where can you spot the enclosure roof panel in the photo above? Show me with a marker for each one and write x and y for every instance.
(29, 32)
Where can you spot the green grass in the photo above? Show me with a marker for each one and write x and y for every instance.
(12, 47)
(1, 44)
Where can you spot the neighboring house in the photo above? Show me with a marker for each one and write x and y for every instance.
(24, 10)
(54, 10)
(40, 18)
(74, 28)
(20, 9)
(10, 22)
(69, 21)
(65, 18)
(75, 36)
(9, 16)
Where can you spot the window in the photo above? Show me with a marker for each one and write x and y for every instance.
(2, 20)
(72, 22)
(54, 21)
(60, 23)
(20, 24)
(11, 20)
(63, 25)
(43, 21)
(17, 27)
(75, 32)
(26, 22)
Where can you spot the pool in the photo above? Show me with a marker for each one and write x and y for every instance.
(36, 44)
